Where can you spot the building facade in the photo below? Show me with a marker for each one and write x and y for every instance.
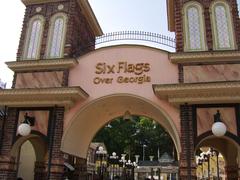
(69, 90)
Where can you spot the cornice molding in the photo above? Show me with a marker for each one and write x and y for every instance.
(199, 93)
(205, 57)
(38, 65)
(87, 10)
(30, 2)
(41, 97)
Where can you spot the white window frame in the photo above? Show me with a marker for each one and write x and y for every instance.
(199, 7)
(230, 25)
(51, 33)
(28, 37)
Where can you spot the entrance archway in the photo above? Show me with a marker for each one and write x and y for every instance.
(30, 153)
(93, 116)
(228, 148)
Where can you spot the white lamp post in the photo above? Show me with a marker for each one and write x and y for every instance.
(101, 153)
(113, 158)
(218, 128)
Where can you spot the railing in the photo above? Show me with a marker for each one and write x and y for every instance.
(136, 36)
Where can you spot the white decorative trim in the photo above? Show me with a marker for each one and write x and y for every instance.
(205, 57)
(64, 96)
(214, 26)
(64, 17)
(60, 7)
(28, 34)
(38, 9)
(203, 43)
(37, 65)
(199, 93)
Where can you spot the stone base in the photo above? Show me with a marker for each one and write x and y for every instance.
(56, 171)
(8, 175)
(7, 168)
(185, 175)
(40, 171)
(232, 172)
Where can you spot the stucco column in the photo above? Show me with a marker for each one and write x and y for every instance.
(232, 172)
(40, 170)
(80, 169)
(8, 165)
(55, 165)
(187, 165)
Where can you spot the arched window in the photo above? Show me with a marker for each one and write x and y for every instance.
(33, 38)
(221, 19)
(56, 36)
(194, 31)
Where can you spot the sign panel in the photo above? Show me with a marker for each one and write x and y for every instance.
(127, 73)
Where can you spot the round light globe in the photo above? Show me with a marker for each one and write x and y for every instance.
(100, 148)
(24, 129)
(219, 129)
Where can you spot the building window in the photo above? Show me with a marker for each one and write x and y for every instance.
(33, 38)
(56, 36)
(194, 27)
(222, 26)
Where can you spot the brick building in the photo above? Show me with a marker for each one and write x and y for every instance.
(67, 90)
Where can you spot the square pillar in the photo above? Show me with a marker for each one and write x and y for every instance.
(55, 165)
(8, 166)
(187, 165)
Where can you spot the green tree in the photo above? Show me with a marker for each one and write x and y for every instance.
(128, 137)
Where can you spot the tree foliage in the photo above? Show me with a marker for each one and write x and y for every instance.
(128, 137)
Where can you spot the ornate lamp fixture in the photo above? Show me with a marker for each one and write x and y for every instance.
(24, 129)
(101, 153)
(218, 127)
(127, 116)
(114, 158)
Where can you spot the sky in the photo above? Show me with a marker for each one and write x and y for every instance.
(112, 15)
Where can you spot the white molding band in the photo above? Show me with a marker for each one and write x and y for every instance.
(199, 93)
(204, 57)
(39, 65)
(42, 97)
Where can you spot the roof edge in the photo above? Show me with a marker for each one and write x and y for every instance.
(87, 10)
(170, 14)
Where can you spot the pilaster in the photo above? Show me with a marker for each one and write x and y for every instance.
(8, 166)
(187, 165)
(55, 160)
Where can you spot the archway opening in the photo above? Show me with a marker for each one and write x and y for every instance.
(30, 153)
(26, 161)
(96, 114)
(130, 147)
(219, 157)
(210, 163)
(129, 134)
(135, 142)
(89, 119)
